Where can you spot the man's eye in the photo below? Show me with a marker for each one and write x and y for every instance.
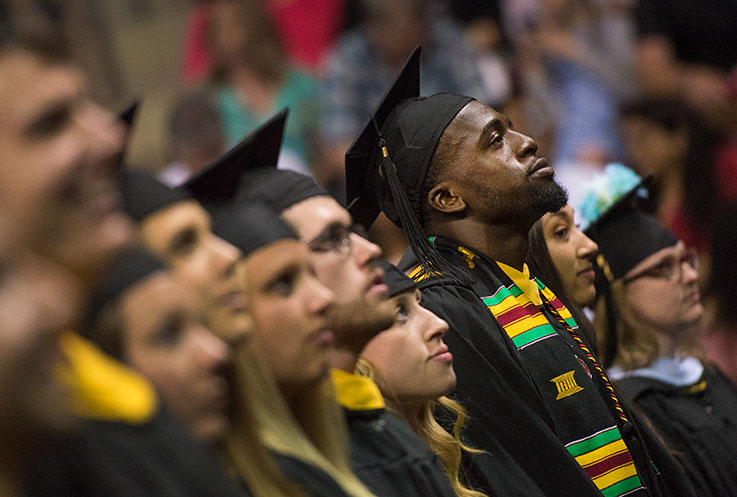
(184, 243)
(495, 138)
(283, 285)
(170, 333)
(50, 123)
(402, 313)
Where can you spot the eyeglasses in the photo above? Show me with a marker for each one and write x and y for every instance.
(670, 268)
(336, 238)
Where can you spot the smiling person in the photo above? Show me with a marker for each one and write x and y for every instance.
(60, 153)
(650, 323)
(562, 256)
(466, 188)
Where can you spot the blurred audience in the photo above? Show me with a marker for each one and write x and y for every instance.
(365, 61)
(719, 333)
(694, 168)
(254, 80)
(196, 136)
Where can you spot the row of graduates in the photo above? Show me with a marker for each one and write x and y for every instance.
(272, 265)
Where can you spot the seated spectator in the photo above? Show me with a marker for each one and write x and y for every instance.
(196, 137)
(365, 61)
(254, 80)
(693, 171)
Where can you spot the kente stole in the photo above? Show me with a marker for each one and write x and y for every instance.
(582, 420)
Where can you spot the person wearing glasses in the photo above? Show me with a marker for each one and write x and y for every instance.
(647, 322)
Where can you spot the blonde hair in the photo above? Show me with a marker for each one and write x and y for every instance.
(311, 428)
(448, 447)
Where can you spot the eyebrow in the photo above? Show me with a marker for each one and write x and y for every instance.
(494, 124)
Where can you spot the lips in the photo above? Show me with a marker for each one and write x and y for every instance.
(323, 336)
(588, 272)
(540, 167)
(377, 285)
(442, 354)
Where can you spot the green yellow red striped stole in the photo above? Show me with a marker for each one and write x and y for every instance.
(604, 455)
(606, 459)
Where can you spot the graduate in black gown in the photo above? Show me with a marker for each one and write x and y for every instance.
(414, 369)
(647, 322)
(385, 454)
(466, 188)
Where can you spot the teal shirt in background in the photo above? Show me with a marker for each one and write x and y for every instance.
(299, 94)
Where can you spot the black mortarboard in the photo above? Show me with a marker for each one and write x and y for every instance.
(277, 188)
(250, 227)
(130, 266)
(627, 235)
(128, 114)
(395, 279)
(386, 166)
(143, 194)
(218, 183)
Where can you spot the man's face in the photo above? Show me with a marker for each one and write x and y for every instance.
(180, 235)
(496, 170)
(57, 151)
(345, 263)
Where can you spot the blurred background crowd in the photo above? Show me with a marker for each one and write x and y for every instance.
(649, 83)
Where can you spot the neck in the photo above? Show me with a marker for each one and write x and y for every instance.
(505, 243)
(343, 359)
(670, 342)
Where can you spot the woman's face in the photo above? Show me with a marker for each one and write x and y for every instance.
(662, 290)
(165, 338)
(572, 253)
(412, 360)
(180, 235)
(290, 310)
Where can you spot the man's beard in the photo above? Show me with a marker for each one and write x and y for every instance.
(355, 323)
(548, 196)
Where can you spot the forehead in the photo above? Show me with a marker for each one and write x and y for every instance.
(28, 84)
(311, 216)
(268, 261)
(475, 116)
(657, 257)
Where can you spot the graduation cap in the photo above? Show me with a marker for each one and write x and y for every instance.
(386, 166)
(219, 182)
(396, 280)
(143, 194)
(129, 267)
(127, 116)
(250, 227)
(247, 173)
(626, 235)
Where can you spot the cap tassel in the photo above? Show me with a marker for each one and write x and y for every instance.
(430, 259)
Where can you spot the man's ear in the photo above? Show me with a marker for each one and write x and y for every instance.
(443, 198)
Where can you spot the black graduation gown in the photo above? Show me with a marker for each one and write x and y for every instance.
(312, 480)
(507, 416)
(115, 459)
(391, 459)
(698, 422)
